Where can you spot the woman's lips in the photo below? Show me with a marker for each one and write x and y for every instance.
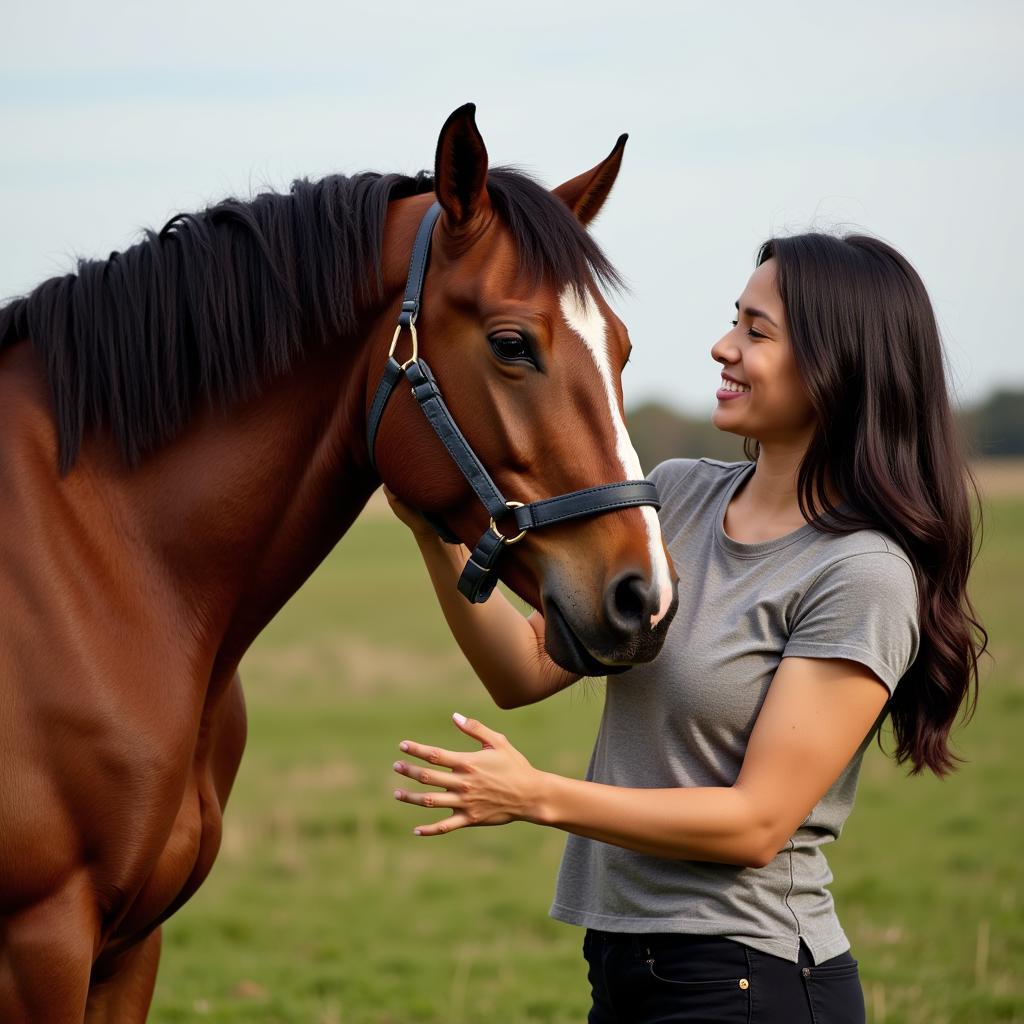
(722, 394)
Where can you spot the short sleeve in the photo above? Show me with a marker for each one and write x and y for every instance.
(862, 607)
(667, 475)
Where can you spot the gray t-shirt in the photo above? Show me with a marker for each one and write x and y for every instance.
(685, 718)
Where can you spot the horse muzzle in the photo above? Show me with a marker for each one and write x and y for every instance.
(620, 636)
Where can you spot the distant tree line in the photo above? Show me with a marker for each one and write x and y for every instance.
(994, 428)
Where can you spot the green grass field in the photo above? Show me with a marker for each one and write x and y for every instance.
(323, 908)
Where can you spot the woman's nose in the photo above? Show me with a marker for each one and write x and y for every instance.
(723, 351)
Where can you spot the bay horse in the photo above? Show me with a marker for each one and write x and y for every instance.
(185, 439)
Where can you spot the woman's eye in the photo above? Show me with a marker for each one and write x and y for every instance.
(750, 330)
(510, 346)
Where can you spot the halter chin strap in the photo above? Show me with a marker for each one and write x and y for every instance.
(480, 575)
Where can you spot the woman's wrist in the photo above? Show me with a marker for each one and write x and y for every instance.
(542, 800)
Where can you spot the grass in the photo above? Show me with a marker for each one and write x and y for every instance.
(324, 909)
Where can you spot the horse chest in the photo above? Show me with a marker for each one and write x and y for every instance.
(184, 860)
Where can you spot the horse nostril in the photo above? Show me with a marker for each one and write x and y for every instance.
(628, 602)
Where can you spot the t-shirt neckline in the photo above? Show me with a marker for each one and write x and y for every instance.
(761, 547)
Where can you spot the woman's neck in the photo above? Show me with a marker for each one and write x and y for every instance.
(767, 505)
(772, 489)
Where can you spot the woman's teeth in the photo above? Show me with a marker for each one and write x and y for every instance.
(731, 385)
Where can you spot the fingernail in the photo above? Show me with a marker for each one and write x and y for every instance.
(461, 719)
(398, 794)
(416, 832)
(403, 745)
(397, 766)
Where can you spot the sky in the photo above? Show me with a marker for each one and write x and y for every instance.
(904, 120)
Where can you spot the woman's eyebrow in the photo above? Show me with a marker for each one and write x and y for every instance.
(752, 313)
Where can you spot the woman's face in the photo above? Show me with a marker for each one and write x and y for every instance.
(769, 401)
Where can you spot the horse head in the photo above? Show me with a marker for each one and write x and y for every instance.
(529, 355)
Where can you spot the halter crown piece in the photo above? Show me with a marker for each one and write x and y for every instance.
(479, 577)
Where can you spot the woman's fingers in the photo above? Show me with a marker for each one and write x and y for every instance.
(483, 788)
(428, 776)
(427, 799)
(435, 755)
(445, 825)
(484, 736)
(431, 778)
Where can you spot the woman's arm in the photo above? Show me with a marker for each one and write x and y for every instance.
(815, 716)
(505, 649)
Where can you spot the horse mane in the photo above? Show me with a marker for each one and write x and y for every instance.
(220, 301)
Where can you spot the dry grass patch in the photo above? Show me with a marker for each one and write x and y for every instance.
(353, 665)
(999, 478)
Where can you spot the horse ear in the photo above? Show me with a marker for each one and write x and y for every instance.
(586, 193)
(460, 167)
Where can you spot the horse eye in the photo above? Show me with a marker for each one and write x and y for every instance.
(510, 346)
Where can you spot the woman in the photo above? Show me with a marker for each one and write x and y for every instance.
(823, 587)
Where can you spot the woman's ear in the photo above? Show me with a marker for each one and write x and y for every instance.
(460, 169)
(586, 193)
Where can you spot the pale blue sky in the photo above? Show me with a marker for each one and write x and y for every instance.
(747, 119)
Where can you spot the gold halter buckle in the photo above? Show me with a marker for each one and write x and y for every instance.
(415, 344)
(497, 533)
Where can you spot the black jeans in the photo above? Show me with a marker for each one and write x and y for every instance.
(668, 978)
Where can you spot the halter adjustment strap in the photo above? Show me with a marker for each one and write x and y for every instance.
(385, 389)
(586, 502)
(427, 393)
(479, 577)
(418, 267)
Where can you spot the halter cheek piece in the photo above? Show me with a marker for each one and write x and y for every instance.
(480, 576)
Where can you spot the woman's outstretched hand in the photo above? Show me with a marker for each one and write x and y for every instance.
(490, 786)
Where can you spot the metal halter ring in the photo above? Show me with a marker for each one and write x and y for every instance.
(415, 345)
(497, 533)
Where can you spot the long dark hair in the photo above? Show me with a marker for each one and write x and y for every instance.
(867, 346)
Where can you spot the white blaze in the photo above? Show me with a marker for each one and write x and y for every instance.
(587, 322)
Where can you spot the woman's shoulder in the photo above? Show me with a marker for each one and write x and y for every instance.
(860, 568)
(865, 546)
(672, 473)
(691, 489)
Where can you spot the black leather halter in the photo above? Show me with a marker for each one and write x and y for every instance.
(480, 576)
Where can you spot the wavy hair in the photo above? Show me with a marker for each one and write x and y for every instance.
(866, 344)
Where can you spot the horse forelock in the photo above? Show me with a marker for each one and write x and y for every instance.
(205, 310)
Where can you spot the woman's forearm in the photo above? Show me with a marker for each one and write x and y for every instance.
(707, 823)
(497, 784)
(505, 649)
(815, 717)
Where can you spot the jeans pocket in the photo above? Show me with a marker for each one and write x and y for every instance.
(834, 991)
(700, 981)
(665, 972)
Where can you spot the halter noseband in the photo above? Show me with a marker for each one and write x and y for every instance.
(479, 577)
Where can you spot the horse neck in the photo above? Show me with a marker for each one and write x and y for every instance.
(238, 512)
(245, 506)
(212, 533)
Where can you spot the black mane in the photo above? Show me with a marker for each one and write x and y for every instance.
(219, 301)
